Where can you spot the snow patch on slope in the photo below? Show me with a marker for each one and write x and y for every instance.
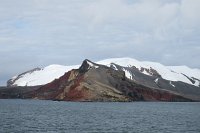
(92, 65)
(128, 74)
(156, 80)
(113, 66)
(172, 84)
(146, 73)
(197, 83)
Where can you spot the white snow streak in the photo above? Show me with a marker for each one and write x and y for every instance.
(128, 74)
(172, 84)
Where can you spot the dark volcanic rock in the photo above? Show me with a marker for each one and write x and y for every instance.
(17, 92)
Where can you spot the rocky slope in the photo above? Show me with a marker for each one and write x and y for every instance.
(95, 82)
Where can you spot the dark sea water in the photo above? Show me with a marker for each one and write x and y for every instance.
(22, 116)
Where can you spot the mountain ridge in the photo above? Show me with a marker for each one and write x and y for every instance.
(171, 73)
(110, 82)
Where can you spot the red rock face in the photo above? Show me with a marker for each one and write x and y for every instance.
(157, 95)
(57, 90)
(76, 92)
(53, 89)
(142, 93)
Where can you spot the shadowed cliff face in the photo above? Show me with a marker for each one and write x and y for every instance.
(93, 82)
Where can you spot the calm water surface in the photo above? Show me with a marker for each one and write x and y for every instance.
(22, 116)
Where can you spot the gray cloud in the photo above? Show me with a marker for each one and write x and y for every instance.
(42, 32)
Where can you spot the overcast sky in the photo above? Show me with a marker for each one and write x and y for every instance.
(36, 33)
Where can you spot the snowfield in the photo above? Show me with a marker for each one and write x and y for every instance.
(43, 76)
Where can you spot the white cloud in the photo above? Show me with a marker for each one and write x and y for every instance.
(190, 13)
(41, 32)
(160, 18)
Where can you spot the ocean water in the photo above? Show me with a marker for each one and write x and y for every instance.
(24, 116)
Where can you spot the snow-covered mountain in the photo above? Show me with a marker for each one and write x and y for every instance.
(40, 76)
(170, 73)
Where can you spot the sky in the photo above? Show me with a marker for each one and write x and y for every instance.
(37, 33)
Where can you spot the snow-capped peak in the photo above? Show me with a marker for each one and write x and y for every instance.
(91, 64)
